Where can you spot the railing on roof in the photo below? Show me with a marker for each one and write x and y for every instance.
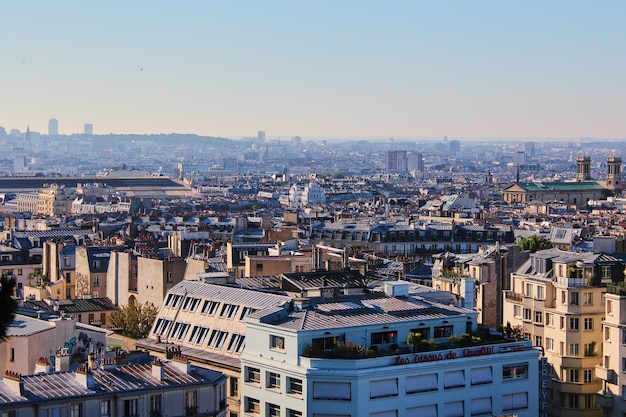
(617, 288)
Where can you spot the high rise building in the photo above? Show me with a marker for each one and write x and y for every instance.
(395, 161)
(261, 136)
(53, 127)
(415, 161)
(88, 129)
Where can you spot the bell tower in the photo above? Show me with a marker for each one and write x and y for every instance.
(614, 174)
(584, 169)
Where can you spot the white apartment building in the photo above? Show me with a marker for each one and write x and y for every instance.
(556, 301)
(348, 357)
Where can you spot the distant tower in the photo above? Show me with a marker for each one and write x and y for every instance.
(261, 136)
(614, 173)
(584, 169)
(88, 129)
(395, 161)
(53, 127)
(27, 136)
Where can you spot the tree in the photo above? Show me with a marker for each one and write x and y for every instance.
(134, 321)
(8, 305)
(534, 243)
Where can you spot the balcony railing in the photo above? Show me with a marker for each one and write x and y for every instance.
(510, 295)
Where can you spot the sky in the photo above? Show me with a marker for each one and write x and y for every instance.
(323, 68)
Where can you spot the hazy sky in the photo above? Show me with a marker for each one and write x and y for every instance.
(316, 68)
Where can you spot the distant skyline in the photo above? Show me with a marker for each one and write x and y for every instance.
(403, 69)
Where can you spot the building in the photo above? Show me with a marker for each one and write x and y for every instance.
(578, 192)
(613, 365)
(53, 127)
(556, 300)
(88, 129)
(54, 200)
(206, 322)
(395, 161)
(109, 389)
(348, 357)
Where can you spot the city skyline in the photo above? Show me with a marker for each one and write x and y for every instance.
(353, 69)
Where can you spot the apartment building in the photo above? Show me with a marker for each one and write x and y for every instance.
(556, 301)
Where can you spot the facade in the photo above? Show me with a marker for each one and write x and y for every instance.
(395, 161)
(91, 270)
(556, 300)
(160, 388)
(348, 358)
(53, 127)
(54, 200)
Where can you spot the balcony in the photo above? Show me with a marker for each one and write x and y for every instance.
(617, 289)
(513, 296)
(606, 374)
(604, 399)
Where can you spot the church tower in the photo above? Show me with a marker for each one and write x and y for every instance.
(614, 174)
(584, 169)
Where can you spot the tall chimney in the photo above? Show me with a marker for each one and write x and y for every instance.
(158, 370)
(42, 366)
(14, 382)
(62, 361)
(84, 377)
(181, 362)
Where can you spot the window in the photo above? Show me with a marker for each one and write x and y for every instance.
(277, 342)
(515, 401)
(156, 406)
(529, 290)
(233, 386)
(273, 380)
(609, 306)
(589, 400)
(562, 322)
(563, 297)
(96, 281)
(573, 375)
(259, 267)
(53, 412)
(538, 317)
(571, 400)
(332, 391)
(253, 375)
(588, 323)
(590, 349)
(588, 375)
(237, 343)
(588, 298)
(606, 272)
(293, 413)
(191, 402)
(607, 333)
(421, 383)
(573, 349)
(442, 331)
(162, 326)
(245, 311)
(191, 304)
(423, 333)
(169, 276)
(574, 299)
(517, 311)
(12, 359)
(209, 307)
(76, 410)
(325, 343)
(229, 310)
(624, 337)
(549, 343)
(198, 334)
(294, 385)
(573, 323)
(479, 376)
(541, 292)
(130, 407)
(105, 408)
(515, 371)
(480, 406)
(454, 379)
(527, 314)
(384, 388)
(538, 341)
(252, 405)
(273, 410)
(380, 338)
(217, 339)
(180, 330)
(454, 409)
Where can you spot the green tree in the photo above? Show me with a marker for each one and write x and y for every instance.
(134, 321)
(8, 305)
(534, 243)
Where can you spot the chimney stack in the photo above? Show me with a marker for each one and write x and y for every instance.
(181, 362)
(14, 382)
(62, 361)
(158, 370)
(84, 377)
(42, 366)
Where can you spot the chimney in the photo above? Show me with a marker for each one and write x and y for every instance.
(62, 361)
(158, 370)
(14, 382)
(109, 364)
(42, 366)
(181, 362)
(91, 361)
(171, 352)
(84, 377)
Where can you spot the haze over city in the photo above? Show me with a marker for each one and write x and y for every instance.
(322, 69)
